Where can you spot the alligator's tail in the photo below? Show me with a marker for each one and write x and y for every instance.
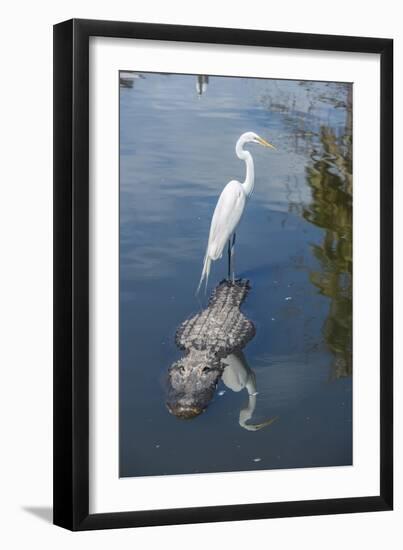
(230, 293)
(206, 272)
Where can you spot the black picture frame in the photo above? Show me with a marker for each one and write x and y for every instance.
(71, 274)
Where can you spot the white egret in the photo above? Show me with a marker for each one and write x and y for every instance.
(229, 209)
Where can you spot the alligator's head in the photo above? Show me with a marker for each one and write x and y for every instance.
(191, 384)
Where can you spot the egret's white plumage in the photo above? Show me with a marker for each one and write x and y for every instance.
(230, 207)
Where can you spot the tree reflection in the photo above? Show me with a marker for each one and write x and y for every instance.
(330, 179)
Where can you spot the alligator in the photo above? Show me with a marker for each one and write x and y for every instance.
(207, 338)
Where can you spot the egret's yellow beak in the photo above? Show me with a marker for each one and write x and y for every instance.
(265, 143)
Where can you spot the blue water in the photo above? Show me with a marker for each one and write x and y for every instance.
(293, 244)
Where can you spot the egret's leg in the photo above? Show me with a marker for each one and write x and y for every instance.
(229, 259)
(233, 258)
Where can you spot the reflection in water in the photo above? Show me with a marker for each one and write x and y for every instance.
(127, 78)
(201, 83)
(126, 82)
(330, 179)
(237, 375)
(329, 176)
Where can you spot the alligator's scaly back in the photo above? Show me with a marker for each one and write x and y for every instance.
(220, 328)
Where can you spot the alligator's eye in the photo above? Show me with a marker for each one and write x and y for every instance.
(206, 370)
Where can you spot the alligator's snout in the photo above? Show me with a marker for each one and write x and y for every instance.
(186, 412)
(191, 384)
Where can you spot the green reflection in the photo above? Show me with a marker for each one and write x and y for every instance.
(330, 179)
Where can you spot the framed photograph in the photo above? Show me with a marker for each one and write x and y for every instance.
(222, 274)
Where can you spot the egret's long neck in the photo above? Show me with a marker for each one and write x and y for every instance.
(249, 182)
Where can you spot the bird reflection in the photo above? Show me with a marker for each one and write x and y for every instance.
(238, 376)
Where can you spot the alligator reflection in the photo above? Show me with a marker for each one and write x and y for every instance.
(212, 341)
(330, 179)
